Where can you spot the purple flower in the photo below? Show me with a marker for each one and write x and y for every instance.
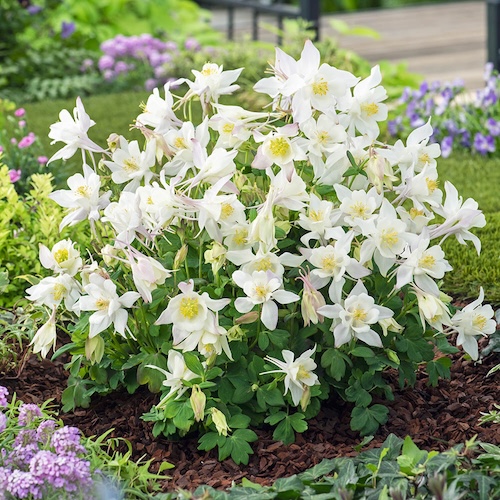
(171, 46)
(24, 438)
(493, 127)
(67, 440)
(105, 62)
(45, 431)
(21, 484)
(28, 413)
(26, 141)
(22, 123)
(121, 67)
(4, 392)
(14, 175)
(484, 144)
(67, 29)
(395, 126)
(19, 112)
(446, 146)
(21, 454)
(465, 140)
(42, 160)
(192, 44)
(3, 421)
(150, 84)
(86, 64)
(34, 9)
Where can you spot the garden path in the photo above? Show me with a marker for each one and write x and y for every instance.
(441, 42)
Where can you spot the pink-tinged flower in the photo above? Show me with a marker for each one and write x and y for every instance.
(42, 160)
(19, 112)
(14, 175)
(22, 123)
(13, 141)
(26, 141)
(1, 149)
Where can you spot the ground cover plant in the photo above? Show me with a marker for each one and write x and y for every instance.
(462, 120)
(197, 242)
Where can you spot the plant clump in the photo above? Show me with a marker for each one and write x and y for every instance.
(250, 265)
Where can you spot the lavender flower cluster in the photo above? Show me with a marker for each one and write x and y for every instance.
(42, 460)
(460, 119)
(137, 56)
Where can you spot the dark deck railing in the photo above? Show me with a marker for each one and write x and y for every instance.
(493, 20)
(308, 10)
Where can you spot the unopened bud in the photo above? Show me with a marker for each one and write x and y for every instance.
(235, 333)
(109, 253)
(306, 398)
(246, 319)
(113, 140)
(219, 419)
(94, 349)
(180, 257)
(390, 325)
(198, 401)
(216, 256)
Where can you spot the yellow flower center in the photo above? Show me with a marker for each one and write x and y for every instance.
(328, 263)
(102, 304)
(209, 69)
(479, 321)
(180, 143)
(302, 373)
(261, 291)
(264, 264)
(359, 315)
(359, 209)
(432, 184)
(279, 147)
(390, 237)
(61, 255)
(424, 158)
(369, 109)
(241, 237)
(150, 201)
(130, 165)
(427, 261)
(83, 191)
(189, 307)
(228, 128)
(226, 210)
(323, 136)
(59, 291)
(320, 87)
(415, 212)
(316, 216)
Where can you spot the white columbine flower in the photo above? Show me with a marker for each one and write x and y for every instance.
(82, 198)
(472, 321)
(189, 310)
(262, 287)
(432, 309)
(176, 374)
(355, 317)
(63, 258)
(45, 338)
(51, 291)
(109, 306)
(72, 130)
(130, 164)
(299, 373)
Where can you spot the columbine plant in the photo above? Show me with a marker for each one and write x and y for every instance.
(251, 265)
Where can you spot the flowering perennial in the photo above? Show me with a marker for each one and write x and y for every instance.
(248, 241)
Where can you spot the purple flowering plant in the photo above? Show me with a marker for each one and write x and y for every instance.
(461, 119)
(20, 148)
(41, 458)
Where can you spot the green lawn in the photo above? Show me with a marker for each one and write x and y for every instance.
(473, 175)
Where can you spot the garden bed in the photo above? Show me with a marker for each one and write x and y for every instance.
(435, 417)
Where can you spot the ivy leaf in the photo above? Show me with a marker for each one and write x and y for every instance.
(368, 420)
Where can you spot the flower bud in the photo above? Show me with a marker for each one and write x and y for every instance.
(235, 333)
(219, 419)
(198, 401)
(109, 253)
(312, 300)
(94, 349)
(216, 256)
(113, 140)
(390, 325)
(180, 257)
(306, 398)
(246, 319)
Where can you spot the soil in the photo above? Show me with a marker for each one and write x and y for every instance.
(435, 417)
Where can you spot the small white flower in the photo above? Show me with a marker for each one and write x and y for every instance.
(110, 308)
(46, 336)
(355, 317)
(472, 321)
(63, 258)
(262, 287)
(51, 291)
(189, 310)
(432, 310)
(299, 373)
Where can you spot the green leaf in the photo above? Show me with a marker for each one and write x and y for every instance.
(284, 432)
(239, 421)
(368, 420)
(76, 395)
(440, 368)
(279, 338)
(208, 441)
(362, 352)
(193, 363)
(275, 418)
(333, 360)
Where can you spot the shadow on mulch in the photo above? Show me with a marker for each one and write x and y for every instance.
(435, 417)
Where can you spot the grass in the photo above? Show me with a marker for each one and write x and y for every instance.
(474, 176)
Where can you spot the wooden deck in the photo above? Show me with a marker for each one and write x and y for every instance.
(441, 42)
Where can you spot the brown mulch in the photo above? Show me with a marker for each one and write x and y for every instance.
(435, 417)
